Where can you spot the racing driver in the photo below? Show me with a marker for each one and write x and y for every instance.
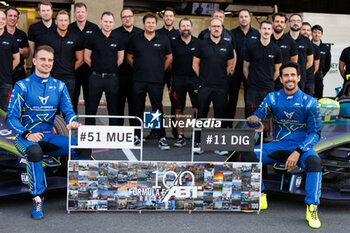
(297, 124)
(31, 113)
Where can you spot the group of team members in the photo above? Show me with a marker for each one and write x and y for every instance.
(129, 63)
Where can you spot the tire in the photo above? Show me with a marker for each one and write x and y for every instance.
(60, 126)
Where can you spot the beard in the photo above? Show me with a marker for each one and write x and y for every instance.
(278, 30)
(295, 29)
(186, 34)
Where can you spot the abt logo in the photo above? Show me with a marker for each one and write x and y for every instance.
(151, 120)
(181, 192)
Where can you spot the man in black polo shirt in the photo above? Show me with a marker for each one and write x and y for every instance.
(149, 53)
(287, 45)
(9, 59)
(305, 50)
(212, 63)
(84, 29)
(344, 66)
(12, 15)
(125, 71)
(37, 31)
(310, 73)
(169, 31)
(69, 54)
(261, 67)
(244, 35)
(103, 53)
(325, 60)
(184, 78)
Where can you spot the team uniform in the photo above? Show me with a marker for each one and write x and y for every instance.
(32, 108)
(305, 49)
(104, 76)
(242, 41)
(82, 74)
(288, 48)
(148, 77)
(310, 77)
(325, 65)
(22, 41)
(125, 73)
(261, 72)
(345, 57)
(184, 78)
(297, 128)
(64, 62)
(8, 47)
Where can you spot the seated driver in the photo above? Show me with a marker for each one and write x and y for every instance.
(297, 127)
(31, 113)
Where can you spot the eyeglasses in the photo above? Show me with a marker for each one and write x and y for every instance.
(127, 16)
(295, 21)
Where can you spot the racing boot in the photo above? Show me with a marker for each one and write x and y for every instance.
(38, 204)
(263, 201)
(312, 217)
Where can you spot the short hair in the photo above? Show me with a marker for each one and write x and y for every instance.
(317, 27)
(297, 14)
(306, 23)
(150, 15)
(107, 13)
(169, 9)
(265, 21)
(243, 10)
(79, 4)
(213, 20)
(45, 3)
(281, 14)
(290, 64)
(125, 9)
(12, 8)
(219, 11)
(185, 19)
(46, 48)
(62, 12)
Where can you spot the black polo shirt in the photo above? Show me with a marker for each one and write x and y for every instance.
(183, 56)
(225, 35)
(65, 48)
(104, 57)
(287, 45)
(172, 34)
(243, 41)
(125, 69)
(316, 52)
(213, 62)
(149, 57)
(87, 31)
(325, 60)
(345, 57)
(8, 46)
(37, 32)
(22, 42)
(262, 65)
(304, 49)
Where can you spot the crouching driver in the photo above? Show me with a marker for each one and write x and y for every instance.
(297, 126)
(31, 113)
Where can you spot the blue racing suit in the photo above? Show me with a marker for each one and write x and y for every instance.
(32, 109)
(298, 125)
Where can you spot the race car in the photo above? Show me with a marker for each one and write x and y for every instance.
(12, 162)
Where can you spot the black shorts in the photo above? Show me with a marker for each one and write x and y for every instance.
(182, 85)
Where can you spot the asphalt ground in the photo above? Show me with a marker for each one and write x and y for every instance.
(286, 213)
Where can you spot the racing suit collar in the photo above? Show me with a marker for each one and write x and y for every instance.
(40, 79)
(290, 97)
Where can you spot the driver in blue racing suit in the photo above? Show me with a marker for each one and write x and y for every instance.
(297, 129)
(31, 113)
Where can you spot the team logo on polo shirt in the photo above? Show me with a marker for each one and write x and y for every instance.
(223, 49)
(283, 46)
(6, 42)
(322, 52)
(271, 56)
(70, 42)
(156, 45)
(227, 39)
(301, 46)
(19, 40)
(88, 32)
(192, 49)
(113, 45)
(151, 120)
(254, 37)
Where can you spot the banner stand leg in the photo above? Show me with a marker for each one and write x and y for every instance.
(190, 212)
(140, 211)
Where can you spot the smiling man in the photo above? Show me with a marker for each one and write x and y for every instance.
(297, 117)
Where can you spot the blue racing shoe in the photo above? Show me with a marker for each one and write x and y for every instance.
(37, 211)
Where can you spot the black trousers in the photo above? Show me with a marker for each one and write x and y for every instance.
(234, 88)
(206, 95)
(18, 74)
(81, 80)
(255, 98)
(69, 80)
(5, 89)
(318, 87)
(98, 85)
(124, 94)
(155, 93)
